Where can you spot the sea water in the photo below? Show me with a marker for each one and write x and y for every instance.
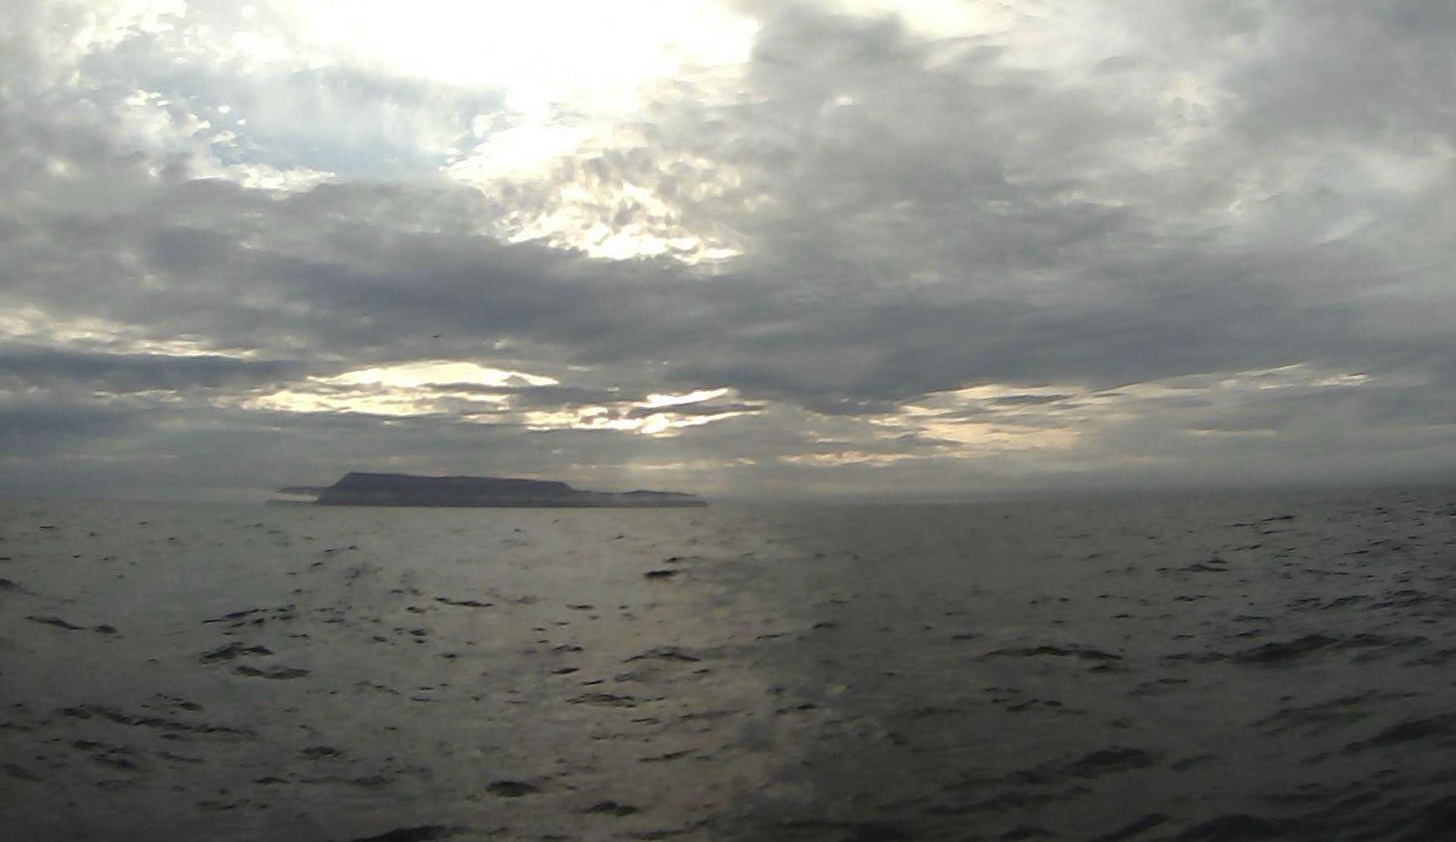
(1256, 667)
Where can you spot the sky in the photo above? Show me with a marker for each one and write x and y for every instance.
(761, 249)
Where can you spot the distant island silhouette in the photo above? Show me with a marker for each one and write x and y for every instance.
(366, 489)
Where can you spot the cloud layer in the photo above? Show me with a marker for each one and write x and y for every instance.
(842, 251)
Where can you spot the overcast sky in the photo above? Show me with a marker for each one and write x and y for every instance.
(763, 248)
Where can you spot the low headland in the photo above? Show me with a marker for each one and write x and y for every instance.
(369, 489)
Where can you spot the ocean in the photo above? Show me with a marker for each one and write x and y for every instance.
(1181, 668)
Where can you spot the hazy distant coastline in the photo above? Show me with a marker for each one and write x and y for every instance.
(371, 489)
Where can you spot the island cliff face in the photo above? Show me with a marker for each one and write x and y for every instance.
(364, 489)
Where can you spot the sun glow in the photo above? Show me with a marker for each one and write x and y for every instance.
(437, 372)
(479, 394)
(544, 54)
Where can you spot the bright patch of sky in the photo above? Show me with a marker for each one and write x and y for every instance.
(546, 55)
(283, 95)
(438, 372)
(482, 394)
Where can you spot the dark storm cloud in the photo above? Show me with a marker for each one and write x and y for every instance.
(113, 372)
(1032, 400)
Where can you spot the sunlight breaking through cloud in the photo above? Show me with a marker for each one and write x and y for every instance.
(826, 245)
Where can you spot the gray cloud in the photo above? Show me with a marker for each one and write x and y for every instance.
(1241, 187)
(114, 372)
(29, 429)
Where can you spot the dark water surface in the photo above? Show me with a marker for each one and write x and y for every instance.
(1205, 670)
(1220, 669)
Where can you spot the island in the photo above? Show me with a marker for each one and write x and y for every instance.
(366, 489)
